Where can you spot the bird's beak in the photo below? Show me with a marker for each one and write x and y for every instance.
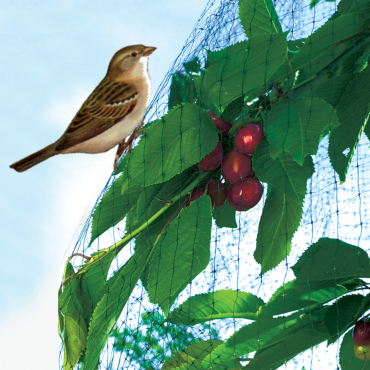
(148, 50)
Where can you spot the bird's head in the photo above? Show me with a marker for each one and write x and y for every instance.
(130, 61)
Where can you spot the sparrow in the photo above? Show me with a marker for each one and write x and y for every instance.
(111, 113)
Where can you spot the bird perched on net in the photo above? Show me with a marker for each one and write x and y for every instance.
(111, 115)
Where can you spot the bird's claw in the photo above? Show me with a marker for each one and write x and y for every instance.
(124, 144)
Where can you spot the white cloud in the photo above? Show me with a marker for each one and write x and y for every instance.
(30, 330)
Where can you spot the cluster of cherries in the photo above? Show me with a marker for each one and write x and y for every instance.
(361, 338)
(245, 191)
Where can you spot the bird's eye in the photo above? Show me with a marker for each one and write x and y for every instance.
(134, 54)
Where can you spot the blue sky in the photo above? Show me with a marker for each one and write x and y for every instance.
(52, 56)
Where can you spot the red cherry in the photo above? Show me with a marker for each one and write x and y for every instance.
(245, 194)
(251, 173)
(221, 125)
(361, 332)
(195, 194)
(213, 160)
(248, 137)
(235, 166)
(217, 192)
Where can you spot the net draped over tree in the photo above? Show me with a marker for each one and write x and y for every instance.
(235, 234)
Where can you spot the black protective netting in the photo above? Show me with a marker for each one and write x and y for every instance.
(295, 314)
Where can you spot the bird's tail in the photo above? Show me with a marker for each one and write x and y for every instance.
(34, 159)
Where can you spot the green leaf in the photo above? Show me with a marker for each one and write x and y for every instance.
(159, 200)
(170, 145)
(69, 299)
(110, 307)
(258, 17)
(260, 334)
(347, 358)
(278, 355)
(153, 230)
(350, 64)
(169, 189)
(182, 90)
(155, 197)
(279, 221)
(72, 322)
(191, 357)
(240, 68)
(61, 326)
(232, 111)
(283, 172)
(345, 313)
(353, 284)
(364, 56)
(325, 45)
(344, 6)
(131, 220)
(329, 87)
(68, 270)
(145, 199)
(79, 299)
(113, 207)
(295, 295)
(335, 15)
(361, 6)
(313, 3)
(283, 75)
(75, 338)
(221, 304)
(225, 216)
(367, 128)
(330, 259)
(177, 184)
(352, 111)
(193, 66)
(297, 126)
(182, 253)
(364, 307)
(95, 278)
(295, 45)
(342, 314)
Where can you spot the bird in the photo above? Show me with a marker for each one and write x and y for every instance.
(112, 112)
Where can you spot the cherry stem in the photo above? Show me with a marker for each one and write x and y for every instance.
(81, 255)
(171, 218)
(209, 179)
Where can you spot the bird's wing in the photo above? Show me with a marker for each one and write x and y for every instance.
(108, 104)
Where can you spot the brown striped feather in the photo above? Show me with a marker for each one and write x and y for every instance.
(102, 110)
